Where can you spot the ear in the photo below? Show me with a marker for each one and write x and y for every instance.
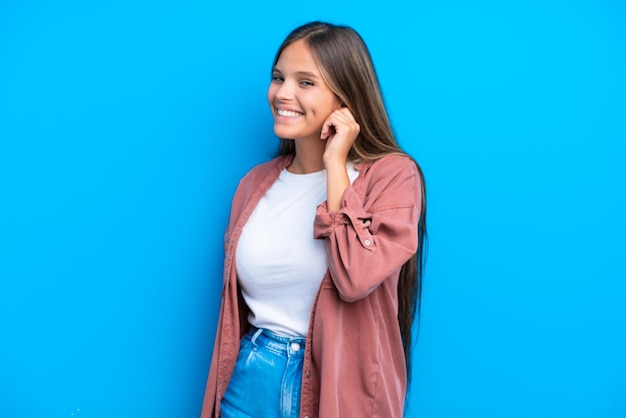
(341, 104)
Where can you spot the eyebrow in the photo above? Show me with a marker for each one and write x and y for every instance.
(298, 73)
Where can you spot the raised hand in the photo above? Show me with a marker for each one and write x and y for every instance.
(340, 130)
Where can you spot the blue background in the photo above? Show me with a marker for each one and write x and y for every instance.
(125, 126)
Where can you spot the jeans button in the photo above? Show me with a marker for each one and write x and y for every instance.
(295, 346)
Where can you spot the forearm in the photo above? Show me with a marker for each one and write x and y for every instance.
(363, 247)
(337, 182)
(374, 231)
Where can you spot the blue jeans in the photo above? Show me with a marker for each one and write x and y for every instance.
(267, 379)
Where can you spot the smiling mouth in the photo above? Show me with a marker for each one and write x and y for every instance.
(288, 113)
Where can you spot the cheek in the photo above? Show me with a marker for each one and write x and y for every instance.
(330, 104)
(271, 92)
(270, 97)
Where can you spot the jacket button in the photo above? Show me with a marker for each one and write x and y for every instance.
(367, 242)
(307, 374)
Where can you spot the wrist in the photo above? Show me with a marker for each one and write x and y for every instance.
(334, 163)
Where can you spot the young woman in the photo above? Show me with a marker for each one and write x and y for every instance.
(322, 273)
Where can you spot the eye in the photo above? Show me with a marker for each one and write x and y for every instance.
(306, 83)
(277, 78)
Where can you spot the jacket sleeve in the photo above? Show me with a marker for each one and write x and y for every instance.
(368, 239)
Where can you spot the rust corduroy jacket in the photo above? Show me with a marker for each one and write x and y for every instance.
(354, 362)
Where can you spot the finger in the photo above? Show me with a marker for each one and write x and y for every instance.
(345, 114)
(326, 128)
(338, 119)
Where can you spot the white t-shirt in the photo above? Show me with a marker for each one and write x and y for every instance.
(279, 264)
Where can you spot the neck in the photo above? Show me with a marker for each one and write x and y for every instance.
(309, 156)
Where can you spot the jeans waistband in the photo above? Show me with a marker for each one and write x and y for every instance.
(291, 346)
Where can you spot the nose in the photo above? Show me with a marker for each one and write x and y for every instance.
(284, 91)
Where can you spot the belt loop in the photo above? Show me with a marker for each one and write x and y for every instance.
(256, 334)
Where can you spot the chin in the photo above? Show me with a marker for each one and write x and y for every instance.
(281, 132)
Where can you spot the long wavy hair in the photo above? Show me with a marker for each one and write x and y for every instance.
(346, 66)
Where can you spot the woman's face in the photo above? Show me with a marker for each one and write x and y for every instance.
(300, 100)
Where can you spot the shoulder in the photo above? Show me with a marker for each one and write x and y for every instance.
(261, 171)
(393, 180)
(389, 167)
(255, 183)
(396, 162)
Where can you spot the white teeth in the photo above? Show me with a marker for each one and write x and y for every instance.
(288, 113)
